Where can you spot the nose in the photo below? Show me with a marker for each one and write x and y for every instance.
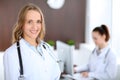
(34, 25)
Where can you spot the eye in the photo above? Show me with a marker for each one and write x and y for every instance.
(30, 21)
(39, 21)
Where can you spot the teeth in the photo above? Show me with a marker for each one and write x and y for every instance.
(34, 31)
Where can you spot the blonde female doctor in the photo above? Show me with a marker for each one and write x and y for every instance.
(30, 58)
(102, 62)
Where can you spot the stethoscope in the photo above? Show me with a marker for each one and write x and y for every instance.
(49, 50)
(45, 46)
(104, 61)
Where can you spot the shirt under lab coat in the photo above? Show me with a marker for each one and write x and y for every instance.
(35, 66)
(99, 66)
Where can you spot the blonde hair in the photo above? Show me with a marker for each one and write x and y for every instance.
(17, 31)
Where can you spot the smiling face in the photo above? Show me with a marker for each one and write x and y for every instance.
(32, 25)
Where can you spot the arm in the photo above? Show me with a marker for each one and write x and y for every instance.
(81, 68)
(11, 65)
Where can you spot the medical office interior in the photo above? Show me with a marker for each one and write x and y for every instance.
(69, 24)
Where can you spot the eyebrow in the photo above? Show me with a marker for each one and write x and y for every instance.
(33, 20)
(40, 20)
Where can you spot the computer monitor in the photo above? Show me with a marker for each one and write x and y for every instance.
(66, 56)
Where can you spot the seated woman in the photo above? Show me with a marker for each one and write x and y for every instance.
(102, 63)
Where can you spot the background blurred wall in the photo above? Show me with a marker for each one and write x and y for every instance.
(63, 24)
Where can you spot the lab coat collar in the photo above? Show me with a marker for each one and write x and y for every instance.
(25, 44)
(41, 41)
(103, 51)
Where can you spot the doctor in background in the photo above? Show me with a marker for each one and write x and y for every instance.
(38, 59)
(102, 63)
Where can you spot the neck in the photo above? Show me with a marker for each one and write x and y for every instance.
(31, 41)
(103, 45)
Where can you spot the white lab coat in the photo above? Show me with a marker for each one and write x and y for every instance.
(34, 66)
(99, 67)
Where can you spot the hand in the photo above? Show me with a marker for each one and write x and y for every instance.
(84, 74)
(74, 70)
(74, 66)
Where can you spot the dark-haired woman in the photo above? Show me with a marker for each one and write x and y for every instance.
(102, 62)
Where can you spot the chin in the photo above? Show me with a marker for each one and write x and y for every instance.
(33, 37)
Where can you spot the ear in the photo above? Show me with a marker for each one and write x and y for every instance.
(104, 36)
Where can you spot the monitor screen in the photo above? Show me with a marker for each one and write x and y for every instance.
(65, 55)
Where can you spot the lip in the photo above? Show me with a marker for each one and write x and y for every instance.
(34, 31)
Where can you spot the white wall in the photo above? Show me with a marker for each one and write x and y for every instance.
(104, 12)
(98, 12)
(116, 27)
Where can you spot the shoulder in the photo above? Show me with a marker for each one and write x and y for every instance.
(94, 52)
(11, 50)
(111, 55)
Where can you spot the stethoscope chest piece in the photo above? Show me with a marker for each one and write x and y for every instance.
(21, 77)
